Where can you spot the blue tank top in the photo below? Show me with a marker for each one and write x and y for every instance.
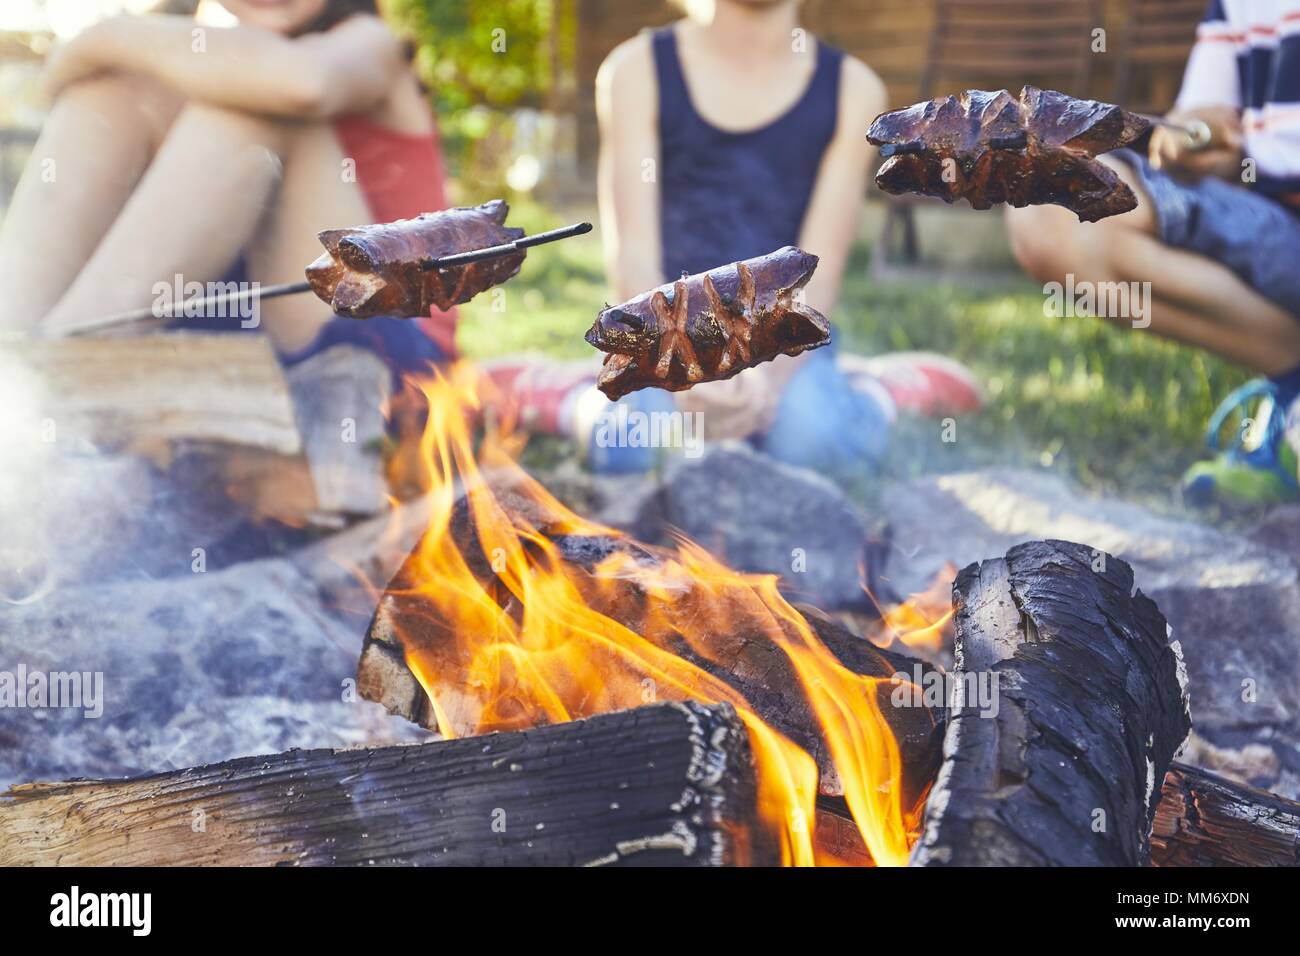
(728, 196)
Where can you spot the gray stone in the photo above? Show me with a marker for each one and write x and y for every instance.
(762, 516)
(1233, 600)
(256, 658)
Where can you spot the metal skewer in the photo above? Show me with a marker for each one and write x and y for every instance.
(293, 288)
(524, 242)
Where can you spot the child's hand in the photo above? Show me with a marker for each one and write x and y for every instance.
(1170, 149)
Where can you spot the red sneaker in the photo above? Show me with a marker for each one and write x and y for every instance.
(541, 389)
(920, 383)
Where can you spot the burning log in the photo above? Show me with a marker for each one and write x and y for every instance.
(746, 661)
(670, 784)
(1205, 820)
(1089, 706)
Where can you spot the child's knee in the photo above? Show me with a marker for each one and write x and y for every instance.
(254, 145)
(116, 98)
(822, 422)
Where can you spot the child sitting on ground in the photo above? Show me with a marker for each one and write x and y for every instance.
(1215, 233)
(725, 136)
(176, 150)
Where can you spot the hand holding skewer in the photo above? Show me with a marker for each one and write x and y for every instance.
(1207, 141)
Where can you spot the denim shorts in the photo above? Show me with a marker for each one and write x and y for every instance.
(1254, 236)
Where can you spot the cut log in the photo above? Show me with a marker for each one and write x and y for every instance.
(1086, 706)
(748, 662)
(339, 396)
(1202, 820)
(670, 784)
(1206, 820)
(127, 392)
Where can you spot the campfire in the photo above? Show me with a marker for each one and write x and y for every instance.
(514, 612)
(607, 701)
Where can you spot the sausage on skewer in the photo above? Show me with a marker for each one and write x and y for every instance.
(709, 326)
(988, 148)
(384, 269)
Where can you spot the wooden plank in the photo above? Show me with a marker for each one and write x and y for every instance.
(670, 784)
(127, 392)
(1018, 50)
(1162, 53)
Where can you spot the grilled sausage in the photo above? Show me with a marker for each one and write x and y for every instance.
(710, 326)
(382, 269)
(989, 148)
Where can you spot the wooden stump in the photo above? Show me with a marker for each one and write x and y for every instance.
(1090, 708)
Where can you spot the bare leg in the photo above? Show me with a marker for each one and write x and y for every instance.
(319, 192)
(223, 183)
(195, 209)
(1196, 300)
(91, 154)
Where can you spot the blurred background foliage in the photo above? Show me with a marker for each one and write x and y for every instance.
(484, 62)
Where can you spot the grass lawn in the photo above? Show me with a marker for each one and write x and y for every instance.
(1114, 407)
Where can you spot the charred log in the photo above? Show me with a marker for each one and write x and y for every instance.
(1205, 820)
(670, 784)
(748, 662)
(1090, 709)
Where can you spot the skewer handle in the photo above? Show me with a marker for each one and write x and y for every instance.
(137, 315)
(1198, 132)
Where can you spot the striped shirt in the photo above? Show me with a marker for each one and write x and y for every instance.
(1247, 55)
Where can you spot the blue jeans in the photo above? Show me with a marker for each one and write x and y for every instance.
(821, 423)
(1254, 236)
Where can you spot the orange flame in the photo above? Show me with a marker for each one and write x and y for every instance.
(921, 623)
(538, 640)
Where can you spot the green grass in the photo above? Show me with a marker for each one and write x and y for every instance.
(1116, 408)
(547, 307)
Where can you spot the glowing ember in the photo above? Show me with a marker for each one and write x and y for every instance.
(523, 637)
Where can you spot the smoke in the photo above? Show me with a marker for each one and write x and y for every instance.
(63, 502)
